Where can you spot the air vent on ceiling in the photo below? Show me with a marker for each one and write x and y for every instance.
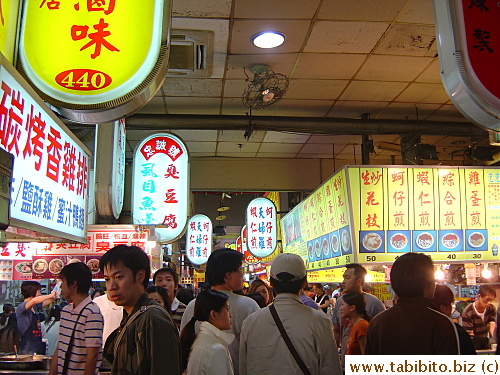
(191, 53)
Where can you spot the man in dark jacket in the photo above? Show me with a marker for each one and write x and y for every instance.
(413, 325)
(147, 341)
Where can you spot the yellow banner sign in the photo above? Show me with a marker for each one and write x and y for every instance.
(8, 27)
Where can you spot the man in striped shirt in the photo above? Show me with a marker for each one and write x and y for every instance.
(80, 331)
(168, 279)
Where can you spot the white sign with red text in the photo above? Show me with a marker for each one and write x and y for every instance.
(199, 239)
(261, 227)
(49, 184)
(161, 185)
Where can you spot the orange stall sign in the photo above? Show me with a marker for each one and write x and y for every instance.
(95, 61)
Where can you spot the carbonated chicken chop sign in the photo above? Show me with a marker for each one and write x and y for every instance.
(261, 227)
(161, 185)
(199, 239)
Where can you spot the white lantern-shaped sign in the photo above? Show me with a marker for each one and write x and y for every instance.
(161, 185)
(199, 239)
(261, 227)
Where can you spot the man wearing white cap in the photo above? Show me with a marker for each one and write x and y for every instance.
(263, 343)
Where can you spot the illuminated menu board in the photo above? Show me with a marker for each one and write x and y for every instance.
(450, 213)
(318, 229)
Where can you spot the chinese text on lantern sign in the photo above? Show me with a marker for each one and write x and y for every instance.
(199, 239)
(50, 168)
(261, 227)
(161, 183)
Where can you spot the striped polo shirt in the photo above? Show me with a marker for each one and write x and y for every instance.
(88, 334)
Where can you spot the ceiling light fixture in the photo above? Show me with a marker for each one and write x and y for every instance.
(268, 39)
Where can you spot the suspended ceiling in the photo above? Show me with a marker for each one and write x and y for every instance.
(344, 58)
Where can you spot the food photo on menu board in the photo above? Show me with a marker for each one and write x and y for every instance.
(49, 266)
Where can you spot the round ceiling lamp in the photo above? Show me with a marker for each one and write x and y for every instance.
(268, 39)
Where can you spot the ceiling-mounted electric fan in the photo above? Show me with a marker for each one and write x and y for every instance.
(266, 87)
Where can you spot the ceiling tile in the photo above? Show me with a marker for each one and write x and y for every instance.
(196, 135)
(373, 91)
(202, 8)
(237, 154)
(135, 135)
(354, 109)
(284, 137)
(283, 155)
(242, 146)
(193, 105)
(393, 68)
(277, 9)
(424, 93)
(317, 149)
(314, 156)
(234, 88)
(447, 113)
(417, 11)
(305, 108)
(201, 147)
(201, 154)
(408, 40)
(234, 106)
(407, 111)
(341, 36)
(431, 74)
(385, 138)
(155, 106)
(192, 87)
(238, 136)
(279, 63)
(315, 89)
(243, 31)
(327, 66)
(360, 10)
(289, 148)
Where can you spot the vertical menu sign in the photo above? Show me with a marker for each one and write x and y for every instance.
(199, 239)
(161, 185)
(50, 178)
(261, 227)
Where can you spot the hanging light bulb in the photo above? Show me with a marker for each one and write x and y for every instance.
(439, 274)
(486, 273)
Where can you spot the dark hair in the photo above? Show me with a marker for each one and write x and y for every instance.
(29, 288)
(318, 285)
(411, 273)
(132, 257)
(78, 273)
(359, 270)
(357, 300)
(163, 294)
(8, 309)
(220, 262)
(287, 287)
(95, 291)
(259, 298)
(204, 285)
(54, 312)
(443, 296)
(206, 302)
(487, 289)
(185, 295)
(167, 270)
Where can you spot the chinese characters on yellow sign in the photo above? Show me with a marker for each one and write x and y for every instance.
(451, 213)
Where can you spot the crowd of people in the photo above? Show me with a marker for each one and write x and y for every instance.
(281, 328)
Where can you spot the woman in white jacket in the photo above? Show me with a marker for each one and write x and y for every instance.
(207, 352)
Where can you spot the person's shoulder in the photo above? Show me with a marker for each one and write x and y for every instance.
(467, 309)
(371, 298)
(243, 302)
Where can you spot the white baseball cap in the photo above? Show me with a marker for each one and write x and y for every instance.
(290, 263)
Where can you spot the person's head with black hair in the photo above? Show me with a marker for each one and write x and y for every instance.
(97, 292)
(412, 275)
(354, 277)
(168, 279)
(126, 272)
(485, 296)
(354, 306)
(30, 289)
(159, 294)
(54, 314)
(185, 295)
(76, 280)
(288, 273)
(210, 306)
(444, 298)
(259, 298)
(224, 269)
(8, 309)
